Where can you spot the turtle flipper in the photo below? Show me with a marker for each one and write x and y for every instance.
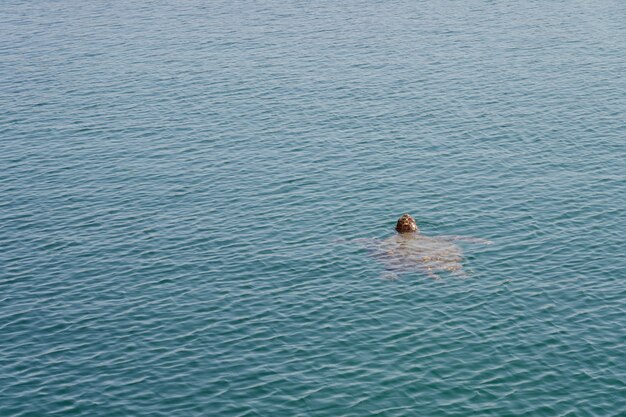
(468, 239)
(389, 275)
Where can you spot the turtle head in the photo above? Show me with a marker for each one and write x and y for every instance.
(406, 224)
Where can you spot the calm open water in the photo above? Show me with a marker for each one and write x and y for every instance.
(180, 182)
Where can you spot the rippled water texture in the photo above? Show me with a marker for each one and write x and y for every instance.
(182, 182)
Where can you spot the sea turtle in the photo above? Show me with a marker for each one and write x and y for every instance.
(409, 251)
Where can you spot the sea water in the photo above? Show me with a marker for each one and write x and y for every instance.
(182, 184)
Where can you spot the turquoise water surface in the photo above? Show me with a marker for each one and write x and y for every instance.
(182, 183)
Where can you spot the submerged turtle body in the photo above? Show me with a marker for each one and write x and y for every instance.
(409, 252)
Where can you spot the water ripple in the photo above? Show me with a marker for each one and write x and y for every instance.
(181, 183)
